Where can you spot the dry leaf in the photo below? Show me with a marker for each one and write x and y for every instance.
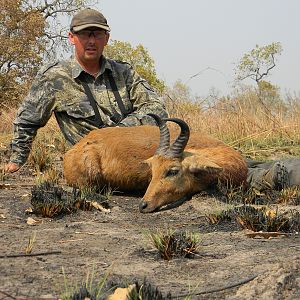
(2, 216)
(25, 195)
(31, 221)
(121, 293)
(271, 213)
(29, 210)
(5, 186)
(98, 206)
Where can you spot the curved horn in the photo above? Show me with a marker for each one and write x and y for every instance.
(164, 142)
(178, 146)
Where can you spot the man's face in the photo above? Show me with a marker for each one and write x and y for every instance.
(89, 44)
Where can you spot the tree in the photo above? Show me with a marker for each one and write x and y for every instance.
(139, 58)
(29, 33)
(21, 47)
(180, 102)
(258, 63)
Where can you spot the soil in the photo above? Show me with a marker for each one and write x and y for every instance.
(228, 265)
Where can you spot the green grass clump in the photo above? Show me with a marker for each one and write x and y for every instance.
(171, 244)
(89, 289)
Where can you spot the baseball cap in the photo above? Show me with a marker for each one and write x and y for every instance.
(88, 17)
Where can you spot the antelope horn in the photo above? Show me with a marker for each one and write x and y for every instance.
(164, 142)
(179, 144)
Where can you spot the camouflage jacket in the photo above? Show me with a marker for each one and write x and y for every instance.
(57, 89)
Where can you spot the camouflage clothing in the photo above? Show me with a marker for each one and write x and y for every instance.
(57, 89)
(274, 175)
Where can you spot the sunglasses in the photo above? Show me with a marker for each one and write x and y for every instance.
(86, 34)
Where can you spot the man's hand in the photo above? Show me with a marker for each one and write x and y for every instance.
(11, 167)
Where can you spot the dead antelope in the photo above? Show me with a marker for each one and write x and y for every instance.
(141, 158)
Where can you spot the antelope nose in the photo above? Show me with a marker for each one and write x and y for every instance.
(143, 205)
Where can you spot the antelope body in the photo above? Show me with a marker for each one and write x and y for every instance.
(141, 158)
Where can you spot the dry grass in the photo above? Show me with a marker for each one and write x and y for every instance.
(289, 196)
(259, 219)
(30, 244)
(257, 127)
(7, 117)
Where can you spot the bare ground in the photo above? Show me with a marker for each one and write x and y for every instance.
(229, 265)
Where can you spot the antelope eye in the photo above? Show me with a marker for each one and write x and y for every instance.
(172, 172)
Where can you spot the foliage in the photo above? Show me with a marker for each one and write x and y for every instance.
(181, 103)
(139, 58)
(180, 92)
(21, 48)
(258, 63)
(29, 32)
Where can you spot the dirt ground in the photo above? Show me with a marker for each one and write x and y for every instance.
(229, 264)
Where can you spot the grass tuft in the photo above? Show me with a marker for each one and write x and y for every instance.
(89, 289)
(290, 195)
(50, 200)
(258, 219)
(171, 244)
(30, 243)
(146, 291)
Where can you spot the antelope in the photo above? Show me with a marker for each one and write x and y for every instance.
(141, 158)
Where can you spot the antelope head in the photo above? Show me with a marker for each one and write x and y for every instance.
(176, 175)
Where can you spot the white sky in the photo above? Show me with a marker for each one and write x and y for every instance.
(187, 36)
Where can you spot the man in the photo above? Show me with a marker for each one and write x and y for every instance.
(84, 92)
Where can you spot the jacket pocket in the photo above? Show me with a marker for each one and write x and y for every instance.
(79, 110)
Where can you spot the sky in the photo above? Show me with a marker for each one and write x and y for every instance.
(209, 37)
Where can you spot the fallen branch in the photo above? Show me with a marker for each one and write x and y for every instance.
(226, 287)
(24, 297)
(7, 295)
(30, 254)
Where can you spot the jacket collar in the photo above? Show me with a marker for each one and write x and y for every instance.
(77, 68)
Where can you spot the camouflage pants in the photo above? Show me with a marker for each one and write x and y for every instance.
(273, 175)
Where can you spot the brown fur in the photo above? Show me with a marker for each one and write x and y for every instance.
(123, 158)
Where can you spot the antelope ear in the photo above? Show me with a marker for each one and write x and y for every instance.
(200, 164)
(147, 162)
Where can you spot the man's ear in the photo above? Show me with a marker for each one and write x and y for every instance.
(71, 37)
(107, 38)
(198, 164)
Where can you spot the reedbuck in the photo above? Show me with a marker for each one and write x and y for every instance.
(141, 158)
